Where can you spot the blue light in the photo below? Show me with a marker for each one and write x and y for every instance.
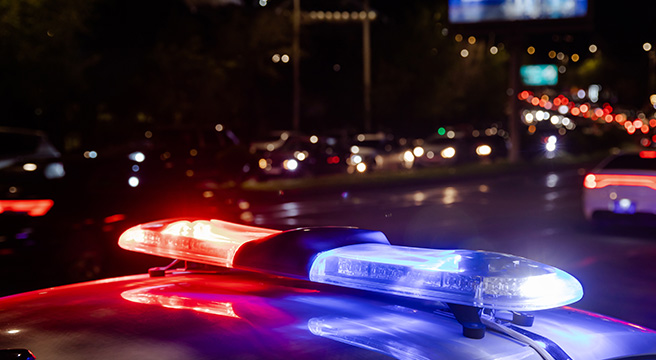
(475, 278)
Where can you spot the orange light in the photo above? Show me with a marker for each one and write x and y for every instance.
(598, 181)
(644, 129)
(599, 112)
(608, 118)
(652, 122)
(575, 111)
(31, 207)
(584, 108)
(535, 101)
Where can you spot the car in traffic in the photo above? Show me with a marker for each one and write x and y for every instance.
(32, 172)
(622, 189)
(300, 156)
(238, 291)
(379, 151)
(451, 148)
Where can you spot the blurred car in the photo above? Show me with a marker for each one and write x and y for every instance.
(379, 151)
(31, 175)
(456, 148)
(167, 157)
(313, 293)
(270, 142)
(301, 155)
(622, 188)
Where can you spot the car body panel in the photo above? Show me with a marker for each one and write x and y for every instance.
(237, 314)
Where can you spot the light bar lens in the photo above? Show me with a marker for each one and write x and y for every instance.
(476, 278)
(212, 242)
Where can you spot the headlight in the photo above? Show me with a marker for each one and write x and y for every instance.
(550, 146)
(408, 156)
(418, 151)
(448, 153)
(137, 156)
(356, 159)
(483, 150)
(290, 164)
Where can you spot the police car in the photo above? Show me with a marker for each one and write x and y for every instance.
(243, 292)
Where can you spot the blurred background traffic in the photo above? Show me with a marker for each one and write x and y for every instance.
(274, 112)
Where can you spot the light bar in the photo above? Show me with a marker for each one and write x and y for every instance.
(38, 207)
(212, 242)
(474, 278)
(362, 259)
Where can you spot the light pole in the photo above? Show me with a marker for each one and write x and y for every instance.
(296, 65)
(366, 66)
(365, 17)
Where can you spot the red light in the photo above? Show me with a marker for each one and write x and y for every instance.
(598, 112)
(333, 160)
(648, 154)
(598, 181)
(31, 207)
(637, 123)
(523, 95)
(213, 242)
(575, 111)
(114, 218)
(644, 129)
(584, 108)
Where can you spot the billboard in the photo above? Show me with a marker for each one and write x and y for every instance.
(539, 75)
(477, 11)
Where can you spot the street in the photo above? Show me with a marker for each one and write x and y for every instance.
(536, 215)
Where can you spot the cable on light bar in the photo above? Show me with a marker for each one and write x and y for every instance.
(212, 242)
(472, 278)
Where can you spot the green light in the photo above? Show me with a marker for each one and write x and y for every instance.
(441, 131)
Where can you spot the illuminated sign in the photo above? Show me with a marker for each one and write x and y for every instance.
(475, 11)
(539, 75)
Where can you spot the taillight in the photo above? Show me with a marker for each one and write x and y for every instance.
(590, 181)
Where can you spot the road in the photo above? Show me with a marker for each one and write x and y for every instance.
(536, 215)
